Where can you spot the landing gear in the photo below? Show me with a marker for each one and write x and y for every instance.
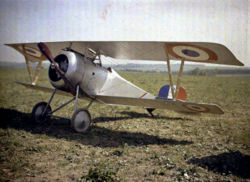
(40, 112)
(80, 121)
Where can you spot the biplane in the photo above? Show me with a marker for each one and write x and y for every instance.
(76, 70)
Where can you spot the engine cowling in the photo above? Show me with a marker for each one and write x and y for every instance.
(79, 71)
(72, 65)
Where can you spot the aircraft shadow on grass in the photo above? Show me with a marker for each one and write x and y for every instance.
(234, 163)
(99, 136)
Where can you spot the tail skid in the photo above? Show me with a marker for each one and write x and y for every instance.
(150, 111)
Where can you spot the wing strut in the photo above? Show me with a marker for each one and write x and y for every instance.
(28, 65)
(38, 68)
(179, 78)
(29, 68)
(174, 93)
(170, 74)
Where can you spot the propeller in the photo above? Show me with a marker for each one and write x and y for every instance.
(47, 53)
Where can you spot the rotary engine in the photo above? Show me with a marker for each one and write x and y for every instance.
(72, 64)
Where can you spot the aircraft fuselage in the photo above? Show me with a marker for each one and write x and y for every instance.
(92, 78)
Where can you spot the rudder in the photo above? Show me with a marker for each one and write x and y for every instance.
(166, 93)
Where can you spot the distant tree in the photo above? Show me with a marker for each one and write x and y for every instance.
(195, 71)
(198, 72)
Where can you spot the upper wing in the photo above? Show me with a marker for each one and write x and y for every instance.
(175, 105)
(32, 53)
(153, 51)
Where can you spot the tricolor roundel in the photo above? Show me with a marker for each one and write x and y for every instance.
(191, 52)
(196, 108)
(165, 92)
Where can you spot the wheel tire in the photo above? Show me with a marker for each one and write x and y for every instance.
(37, 113)
(81, 121)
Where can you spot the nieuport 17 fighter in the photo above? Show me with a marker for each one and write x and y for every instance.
(77, 71)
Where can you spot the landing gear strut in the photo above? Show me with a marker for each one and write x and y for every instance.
(80, 121)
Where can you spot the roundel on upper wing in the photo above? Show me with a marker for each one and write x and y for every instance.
(191, 52)
(196, 108)
(33, 52)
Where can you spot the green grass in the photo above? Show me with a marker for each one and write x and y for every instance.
(125, 143)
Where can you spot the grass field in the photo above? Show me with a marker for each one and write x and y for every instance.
(125, 143)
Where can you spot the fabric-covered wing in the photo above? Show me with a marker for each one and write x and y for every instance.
(203, 52)
(49, 90)
(178, 106)
(175, 105)
(156, 51)
(32, 53)
(136, 50)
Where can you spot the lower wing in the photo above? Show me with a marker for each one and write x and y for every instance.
(157, 103)
(43, 88)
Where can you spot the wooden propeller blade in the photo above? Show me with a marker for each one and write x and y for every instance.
(46, 52)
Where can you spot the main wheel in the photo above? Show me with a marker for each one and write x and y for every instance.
(81, 121)
(38, 114)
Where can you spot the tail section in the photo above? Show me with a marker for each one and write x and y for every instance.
(166, 93)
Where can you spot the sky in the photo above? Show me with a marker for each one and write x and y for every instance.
(220, 21)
